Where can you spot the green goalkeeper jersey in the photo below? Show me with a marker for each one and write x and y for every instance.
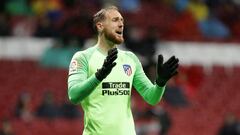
(107, 104)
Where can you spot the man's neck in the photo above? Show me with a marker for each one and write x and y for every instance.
(105, 45)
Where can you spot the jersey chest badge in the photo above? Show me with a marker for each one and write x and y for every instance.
(127, 69)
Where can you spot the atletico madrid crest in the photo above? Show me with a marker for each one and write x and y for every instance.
(127, 69)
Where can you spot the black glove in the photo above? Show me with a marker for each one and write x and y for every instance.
(166, 70)
(107, 65)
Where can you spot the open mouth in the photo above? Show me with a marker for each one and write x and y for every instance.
(119, 32)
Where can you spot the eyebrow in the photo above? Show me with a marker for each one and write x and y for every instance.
(121, 18)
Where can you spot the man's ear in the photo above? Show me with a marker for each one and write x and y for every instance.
(99, 26)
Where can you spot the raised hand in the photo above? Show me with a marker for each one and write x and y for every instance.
(108, 64)
(166, 70)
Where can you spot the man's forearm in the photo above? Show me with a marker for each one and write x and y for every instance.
(78, 90)
(154, 94)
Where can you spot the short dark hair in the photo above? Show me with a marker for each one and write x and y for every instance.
(101, 15)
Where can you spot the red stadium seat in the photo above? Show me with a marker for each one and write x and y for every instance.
(217, 95)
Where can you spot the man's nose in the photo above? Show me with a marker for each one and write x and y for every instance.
(120, 25)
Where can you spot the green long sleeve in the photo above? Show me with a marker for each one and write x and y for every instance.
(78, 88)
(151, 93)
(79, 84)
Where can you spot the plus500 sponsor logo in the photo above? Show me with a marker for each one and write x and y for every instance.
(115, 88)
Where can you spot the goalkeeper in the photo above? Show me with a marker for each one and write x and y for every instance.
(101, 79)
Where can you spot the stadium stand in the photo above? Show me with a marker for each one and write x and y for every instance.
(217, 95)
(213, 93)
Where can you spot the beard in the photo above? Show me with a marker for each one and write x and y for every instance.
(113, 37)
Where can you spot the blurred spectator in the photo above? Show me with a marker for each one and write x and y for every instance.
(69, 110)
(77, 24)
(143, 45)
(215, 18)
(150, 70)
(45, 28)
(190, 80)
(210, 26)
(214, 28)
(174, 95)
(18, 7)
(231, 126)
(22, 109)
(45, 7)
(6, 128)
(199, 9)
(228, 12)
(149, 125)
(5, 28)
(24, 26)
(48, 107)
(136, 42)
(129, 5)
(156, 121)
(164, 119)
(138, 107)
(133, 37)
(149, 43)
(181, 5)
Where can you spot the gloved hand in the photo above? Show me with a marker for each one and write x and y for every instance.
(166, 70)
(107, 65)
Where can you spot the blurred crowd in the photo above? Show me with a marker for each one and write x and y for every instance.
(148, 22)
(47, 109)
(170, 19)
(150, 120)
